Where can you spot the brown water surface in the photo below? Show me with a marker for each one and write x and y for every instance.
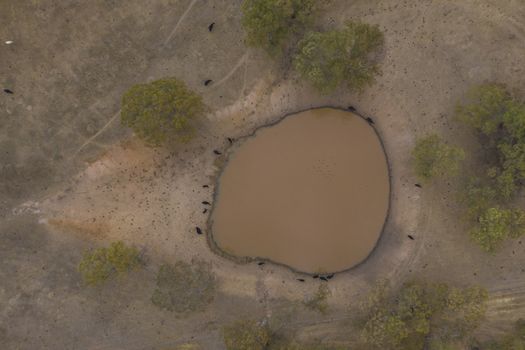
(310, 192)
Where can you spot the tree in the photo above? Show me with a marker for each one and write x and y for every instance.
(486, 106)
(477, 196)
(500, 119)
(495, 225)
(334, 57)
(246, 335)
(433, 157)
(419, 314)
(161, 110)
(99, 265)
(511, 172)
(270, 23)
(184, 287)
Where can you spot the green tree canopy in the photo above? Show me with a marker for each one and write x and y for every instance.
(478, 197)
(246, 335)
(102, 263)
(270, 23)
(485, 107)
(331, 58)
(161, 110)
(419, 314)
(433, 157)
(184, 287)
(495, 225)
(499, 117)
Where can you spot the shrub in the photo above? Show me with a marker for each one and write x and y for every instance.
(485, 108)
(161, 110)
(477, 196)
(420, 312)
(270, 23)
(99, 265)
(331, 58)
(184, 287)
(433, 157)
(246, 335)
(319, 300)
(500, 119)
(495, 225)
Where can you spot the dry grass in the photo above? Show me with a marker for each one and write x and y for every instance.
(93, 229)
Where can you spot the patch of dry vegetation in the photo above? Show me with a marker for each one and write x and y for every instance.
(184, 287)
(421, 315)
(100, 264)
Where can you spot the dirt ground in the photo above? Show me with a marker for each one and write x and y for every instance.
(71, 177)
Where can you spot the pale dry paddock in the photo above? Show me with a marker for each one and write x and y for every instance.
(69, 180)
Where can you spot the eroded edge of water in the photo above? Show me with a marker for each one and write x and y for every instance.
(225, 158)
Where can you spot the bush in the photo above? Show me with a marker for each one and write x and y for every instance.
(477, 196)
(495, 225)
(246, 335)
(99, 265)
(500, 119)
(319, 300)
(485, 108)
(184, 287)
(433, 157)
(270, 23)
(419, 313)
(161, 110)
(331, 58)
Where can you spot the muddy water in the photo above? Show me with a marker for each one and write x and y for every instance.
(310, 192)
